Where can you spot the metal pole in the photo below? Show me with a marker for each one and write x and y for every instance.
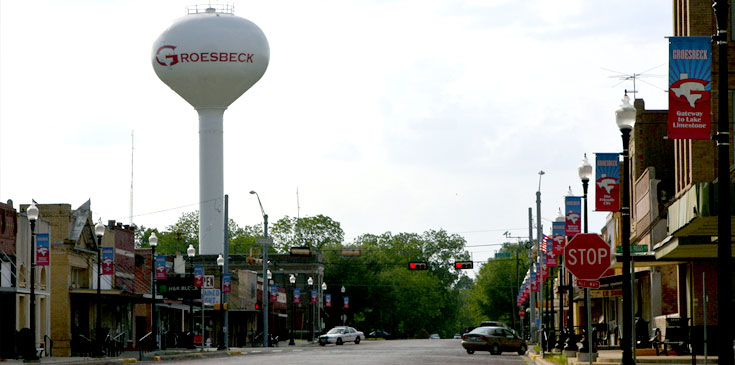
(191, 306)
(724, 251)
(226, 313)
(532, 268)
(704, 307)
(221, 309)
(32, 354)
(539, 230)
(588, 319)
(627, 344)
(266, 337)
(98, 325)
(154, 325)
(291, 341)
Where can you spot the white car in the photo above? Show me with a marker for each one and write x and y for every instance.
(341, 334)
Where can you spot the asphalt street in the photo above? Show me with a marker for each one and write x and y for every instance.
(368, 352)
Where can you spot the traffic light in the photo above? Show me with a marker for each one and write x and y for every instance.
(463, 265)
(257, 306)
(417, 265)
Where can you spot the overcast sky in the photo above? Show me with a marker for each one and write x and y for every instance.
(400, 116)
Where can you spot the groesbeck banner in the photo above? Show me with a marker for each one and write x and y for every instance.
(607, 182)
(558, 236)
(690, 76)
(573, 215)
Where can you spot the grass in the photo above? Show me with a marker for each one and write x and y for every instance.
(560, 359)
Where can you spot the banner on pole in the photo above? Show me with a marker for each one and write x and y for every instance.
(558, 236)
(328, 300)
(43, 250)
(296, 296)
(226, 283)
(198, 275)
(607, 182)
(160, 267)
(108, 261)
(347, 302)
(573, 215)
(690, 76)
(274, 294)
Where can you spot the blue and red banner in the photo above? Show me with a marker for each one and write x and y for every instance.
(108, 261)
(160, 267)
(227, 283)
(573, 215)
(314, 296)
(558, 236)
(607, 182)
(43, 250)
(274, 294)
(690, 76)
(347, 302)
(198, 275)
(296, 296)
(328, 300)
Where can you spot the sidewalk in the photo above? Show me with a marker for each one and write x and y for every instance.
(610, 357)
(128, 357)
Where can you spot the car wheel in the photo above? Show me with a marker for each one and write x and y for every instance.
(470, 351)
(339, 341)
(357, 340)
(522, 350)
(322, 343)
(495, 349)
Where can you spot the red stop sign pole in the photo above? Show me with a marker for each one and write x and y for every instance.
(587, 256)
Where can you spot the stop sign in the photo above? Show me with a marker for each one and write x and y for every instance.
(587, 256)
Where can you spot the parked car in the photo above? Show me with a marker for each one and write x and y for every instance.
(493, 324)
(341, 334)
(493, 339)
(457, 336)
(379, 334)
(435, 336)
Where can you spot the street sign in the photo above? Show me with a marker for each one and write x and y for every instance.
(502, 254)
(587, 256)
(261, 241)
(208, 282)
(522, 313)
(210, 296)
(633, 249)
(592, 284)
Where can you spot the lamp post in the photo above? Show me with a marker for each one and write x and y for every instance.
(190, 252)
(32, 214)
(570, 349)
(292, 280)
(585, 172)
(344, 313)
(267, 316)
(153, 241)
(221, 264)
(99, 231)
(310, 282)
(724, 251)
(324, 291)
(625, 119)
(266, 340)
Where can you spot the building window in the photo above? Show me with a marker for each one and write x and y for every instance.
(79, 278)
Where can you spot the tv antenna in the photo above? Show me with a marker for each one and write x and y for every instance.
(639, 76)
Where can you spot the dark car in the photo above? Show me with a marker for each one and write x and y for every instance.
(379, 334)
(493, 339)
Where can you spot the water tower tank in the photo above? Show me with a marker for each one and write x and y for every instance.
(210, 58)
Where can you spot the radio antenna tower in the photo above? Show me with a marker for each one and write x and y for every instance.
(623, 77)
(132, 159)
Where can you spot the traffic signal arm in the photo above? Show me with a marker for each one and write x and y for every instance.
(417, 266)
(463, 265)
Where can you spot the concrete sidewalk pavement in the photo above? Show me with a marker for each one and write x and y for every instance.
(615, 357)
(127, 357)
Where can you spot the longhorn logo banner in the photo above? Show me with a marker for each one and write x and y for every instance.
(607, 182)
(690, 76)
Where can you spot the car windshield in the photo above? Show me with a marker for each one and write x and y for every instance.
(336, 330)
(482, 331)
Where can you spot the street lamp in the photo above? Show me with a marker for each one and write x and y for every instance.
(266, 340)
(153, 241)
(585, 173)
(539, 230)
(267, 316)
(625, 119)
(310, 282)
(190, 252)
(99, 231)
(292, 280)
(570, 349)
(344, 313)
(32, 214)
(221, 264)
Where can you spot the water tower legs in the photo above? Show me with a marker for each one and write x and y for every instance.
(211, 181)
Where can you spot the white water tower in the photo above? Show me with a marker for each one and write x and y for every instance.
(210, 57)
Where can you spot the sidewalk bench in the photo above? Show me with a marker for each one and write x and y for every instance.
(677, 337)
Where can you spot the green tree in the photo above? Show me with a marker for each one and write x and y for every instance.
(316, 232)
